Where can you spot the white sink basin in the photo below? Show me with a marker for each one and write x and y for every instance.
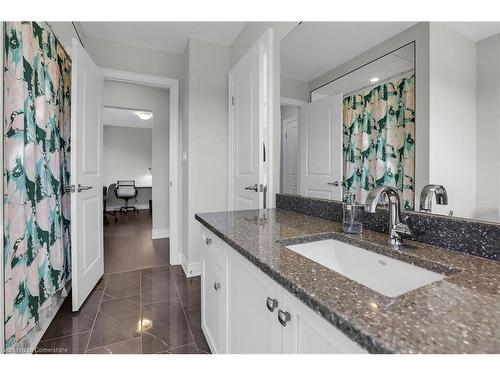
(380, 273)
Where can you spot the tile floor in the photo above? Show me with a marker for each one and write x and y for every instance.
(151, 310)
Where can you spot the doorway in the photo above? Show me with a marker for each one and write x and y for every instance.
(136, 175)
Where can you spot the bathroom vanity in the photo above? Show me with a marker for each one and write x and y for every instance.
(277, 281)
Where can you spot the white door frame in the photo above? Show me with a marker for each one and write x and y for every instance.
(2, 270)
(173, 86)
(266, 118)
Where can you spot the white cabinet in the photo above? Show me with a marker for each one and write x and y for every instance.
(213, 292)
(251, 326)
(308, 333)
(245, 311)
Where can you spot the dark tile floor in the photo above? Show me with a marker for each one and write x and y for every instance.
(151, 310)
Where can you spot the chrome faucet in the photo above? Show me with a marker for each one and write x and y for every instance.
(428, 192)
(397, 229)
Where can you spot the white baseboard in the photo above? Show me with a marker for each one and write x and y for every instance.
(160, 233)
(138, 206)
(190, 269)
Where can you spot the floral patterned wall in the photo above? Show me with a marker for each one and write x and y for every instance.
(37, 81)
(379, 140)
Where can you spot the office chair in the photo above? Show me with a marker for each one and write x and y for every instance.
(125, 189)
(105, 198)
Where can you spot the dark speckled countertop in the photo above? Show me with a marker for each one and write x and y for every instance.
(459, 314)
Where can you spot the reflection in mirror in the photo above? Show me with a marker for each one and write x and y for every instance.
(415, 106)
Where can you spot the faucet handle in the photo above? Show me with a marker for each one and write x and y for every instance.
(403, 229)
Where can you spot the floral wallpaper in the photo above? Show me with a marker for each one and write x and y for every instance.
(379, 139)
(37, 81)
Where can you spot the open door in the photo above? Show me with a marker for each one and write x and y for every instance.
(87, 250)
(320, 134)
(248, 128)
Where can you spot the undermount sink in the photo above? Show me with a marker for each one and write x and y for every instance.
(385, 275)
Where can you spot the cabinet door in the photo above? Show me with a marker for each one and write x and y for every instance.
(308, 333)
(252, 327)
(213, 289)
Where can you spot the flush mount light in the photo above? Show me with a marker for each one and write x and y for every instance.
(144, 115)
(374, 79)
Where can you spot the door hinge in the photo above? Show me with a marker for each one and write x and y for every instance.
(232, 100)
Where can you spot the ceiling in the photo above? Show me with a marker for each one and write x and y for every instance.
(128, 118)
(384, 68)
(475, 31)
(168, 36)
(314, 48)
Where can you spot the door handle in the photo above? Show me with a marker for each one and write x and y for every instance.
(82, 187)
(283, 317)
(334, 183)
(79, 188)
(253, 187)
(271, 303)
(217, 285)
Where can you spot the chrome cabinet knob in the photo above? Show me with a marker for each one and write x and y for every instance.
(271, 303)
(283, 317)
(208, 241)
(217, 285)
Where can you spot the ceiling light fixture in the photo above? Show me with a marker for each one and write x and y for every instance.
(374, 79)
(144, 115)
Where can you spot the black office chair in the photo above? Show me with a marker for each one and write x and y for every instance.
(125, 189)
(104, 204)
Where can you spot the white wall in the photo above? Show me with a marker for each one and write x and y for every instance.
(127, 154)
(126, 95)
(452, 119)
(294, 89)
(132, 58)
(488, 128)
(205, 125)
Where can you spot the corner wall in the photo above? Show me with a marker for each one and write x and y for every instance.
(452, 121)
(205, 141)
(488, 128)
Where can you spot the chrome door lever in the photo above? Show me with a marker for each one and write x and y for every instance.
(334, 183)
(80, 187)
(253, 188)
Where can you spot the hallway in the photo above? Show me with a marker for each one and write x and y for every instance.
(150, 310)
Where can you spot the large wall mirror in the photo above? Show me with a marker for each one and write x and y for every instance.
(394, 103)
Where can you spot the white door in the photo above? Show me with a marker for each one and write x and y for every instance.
(249, 114)
(252, 328)
(86, 175)
(320, 137)
(290, 157)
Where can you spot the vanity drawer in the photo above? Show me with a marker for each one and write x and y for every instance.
(214, 247)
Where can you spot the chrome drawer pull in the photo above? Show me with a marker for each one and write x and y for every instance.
(283, 317)
(271, 303)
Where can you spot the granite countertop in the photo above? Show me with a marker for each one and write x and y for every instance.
(459, 314)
